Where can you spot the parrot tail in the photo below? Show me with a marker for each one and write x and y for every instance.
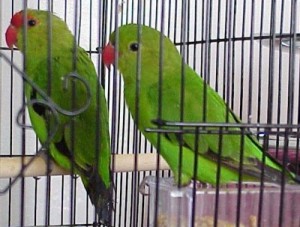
(101, 197)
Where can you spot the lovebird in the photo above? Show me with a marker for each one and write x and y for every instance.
(80, 133)
(163, 97)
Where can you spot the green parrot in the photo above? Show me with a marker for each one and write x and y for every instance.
(80, 126)
(210, 148)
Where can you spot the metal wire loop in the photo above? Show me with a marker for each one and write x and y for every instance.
(47, 98)
(75, 76)
(45, 144)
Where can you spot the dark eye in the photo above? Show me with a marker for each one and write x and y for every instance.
(31, 22)
(134, 46)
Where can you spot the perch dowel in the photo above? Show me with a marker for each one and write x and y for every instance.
(11, 166)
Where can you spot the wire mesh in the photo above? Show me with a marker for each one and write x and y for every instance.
(248, 51)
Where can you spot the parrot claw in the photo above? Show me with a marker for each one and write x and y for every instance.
(199, 184)
(159, 122)
(43, 153)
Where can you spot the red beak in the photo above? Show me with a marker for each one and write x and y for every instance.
(108, 54)
(11, 36)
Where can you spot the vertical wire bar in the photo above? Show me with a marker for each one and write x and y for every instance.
(90, 55)
(188, 22)
(123, 141)
(169, 16)
(22, 207)
(109, 99)
(49, 93)
(280, 83)
(137, 117)
(175, 20)
(150, 14)
(232, 84)
(251, 63)
(283, 180)
(11, 126)
(260, 59)
(202, 63)
(169, 35)
(196, 152)
(121, 132)
(78, 10)
(225, 61)
(270, 103)
(128, 133)
(35, 200)
(279, 100)
(36, 151)
(36, 185)
(101, 42)
(62, 200)
(139, 174)
(72, 125)
(271, 62)
(63, 177)
(240, 177)
(183, 40)
(218, 46)
(156, 15)
(160, 107)
(207, 42)
(195, 35)
(242, 60)
(182, 84)
(228, 71)
(118, 146)
(218, 176)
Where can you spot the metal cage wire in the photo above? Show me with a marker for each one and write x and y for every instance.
(247, 51)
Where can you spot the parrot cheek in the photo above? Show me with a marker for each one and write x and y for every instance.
(11, 36)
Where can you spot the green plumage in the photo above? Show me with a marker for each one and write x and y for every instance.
(195, 109)
(90, 128)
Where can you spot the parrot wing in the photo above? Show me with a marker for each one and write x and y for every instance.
(75, 142)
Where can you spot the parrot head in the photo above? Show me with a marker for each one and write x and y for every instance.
(37, 30)
(133, 38)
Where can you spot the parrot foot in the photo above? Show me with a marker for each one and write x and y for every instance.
(43, 153)
(159, 122)
(98, 224)
(199, 184)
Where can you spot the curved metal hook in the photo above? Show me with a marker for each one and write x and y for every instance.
(48, 103)
(45, 144)
(20, 114)
(43, 94)
(74, 75)
(54, 112)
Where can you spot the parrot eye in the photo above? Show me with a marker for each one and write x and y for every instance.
(31, 22)
(134, 46)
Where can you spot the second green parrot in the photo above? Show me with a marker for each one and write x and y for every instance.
(161, 93)
(80, 140)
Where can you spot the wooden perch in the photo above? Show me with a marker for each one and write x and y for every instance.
(11, 166)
